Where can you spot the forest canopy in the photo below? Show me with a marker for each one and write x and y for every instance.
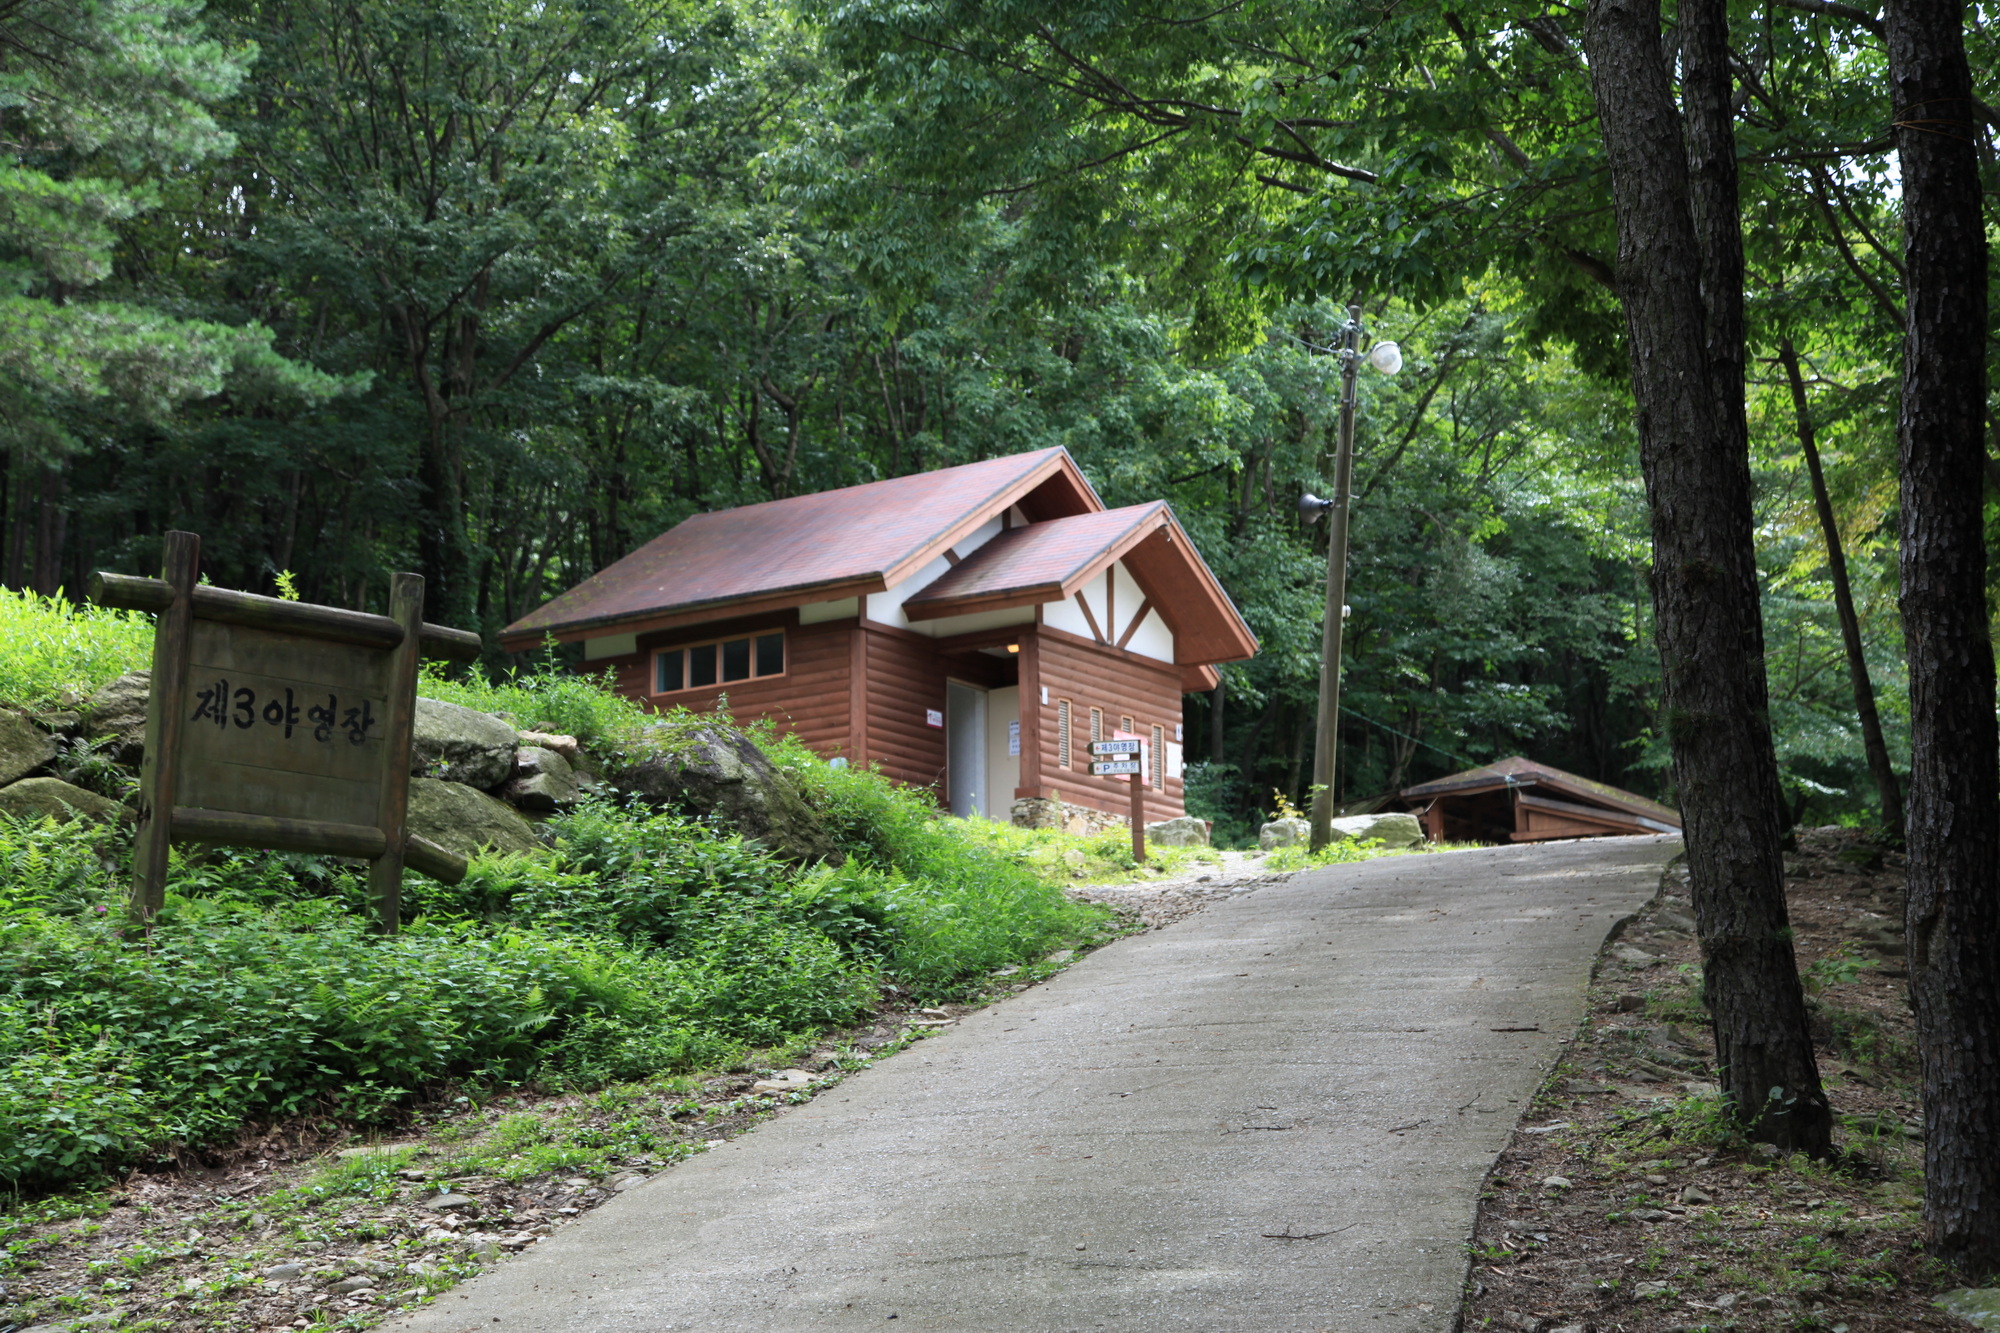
(498, 291)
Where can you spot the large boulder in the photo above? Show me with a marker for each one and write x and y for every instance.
(24, 747)
(543, 781)
(117, 713)
(1185, 831)
(719, 774)
(465, 820)
(460, 744)
(1284, 833)
(39, 798)
(1391, 830)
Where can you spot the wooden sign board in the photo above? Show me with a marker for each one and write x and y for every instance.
(1109, 749)
(280, 724)
(1104, 768)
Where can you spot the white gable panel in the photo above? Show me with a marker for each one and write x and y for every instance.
(1130, 598)
(1152, 639)
(1066, 615)
(887, 607)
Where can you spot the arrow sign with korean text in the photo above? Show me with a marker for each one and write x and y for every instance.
(1105, 768)
(1110, 749)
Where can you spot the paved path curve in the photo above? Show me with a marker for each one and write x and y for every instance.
(1126, 1147)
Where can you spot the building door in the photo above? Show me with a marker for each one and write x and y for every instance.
(1003, 751)
(965, 749)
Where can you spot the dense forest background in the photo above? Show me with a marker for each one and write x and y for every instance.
(500, 289)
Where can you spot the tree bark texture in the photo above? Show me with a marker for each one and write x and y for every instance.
(1954, 808)
(1887, 790)
(1705, 592)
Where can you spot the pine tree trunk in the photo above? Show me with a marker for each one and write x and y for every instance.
(1954, 810)
(1705, 592)
(1887, 790)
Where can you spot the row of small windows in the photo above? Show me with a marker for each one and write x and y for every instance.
(1157, 758)
(719, 663)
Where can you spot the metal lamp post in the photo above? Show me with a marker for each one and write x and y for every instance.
(1387, 358)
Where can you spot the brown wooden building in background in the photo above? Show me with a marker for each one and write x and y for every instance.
(1519, 800)
(970, 629)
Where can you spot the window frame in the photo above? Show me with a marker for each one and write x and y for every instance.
(653, 655)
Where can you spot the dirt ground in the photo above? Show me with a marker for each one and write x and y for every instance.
(1624, 1205)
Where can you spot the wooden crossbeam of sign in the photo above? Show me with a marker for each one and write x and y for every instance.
(280, 724)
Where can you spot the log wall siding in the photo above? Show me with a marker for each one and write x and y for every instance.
(905, 680)
(1092, 676)
(811, 698)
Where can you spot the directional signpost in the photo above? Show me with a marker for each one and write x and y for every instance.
(1127, 755)
(280, 724)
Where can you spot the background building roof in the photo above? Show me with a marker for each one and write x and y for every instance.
(819, 547)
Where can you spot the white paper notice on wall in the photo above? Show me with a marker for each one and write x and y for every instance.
(933, 717)
(1173, 760)
(1014, 739)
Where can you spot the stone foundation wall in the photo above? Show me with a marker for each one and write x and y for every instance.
(1041, 812)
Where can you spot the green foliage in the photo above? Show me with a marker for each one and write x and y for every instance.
(952, 909)
(58, 649)
(640, 944)
(550, 699)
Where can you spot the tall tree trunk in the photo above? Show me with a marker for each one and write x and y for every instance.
(1887, 790)
(51, 528)
(1954, 815)
(1705, 594)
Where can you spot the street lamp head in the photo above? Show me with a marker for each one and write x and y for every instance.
(1311, 507)
(1386, 357)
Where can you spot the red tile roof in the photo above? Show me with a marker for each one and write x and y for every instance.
(819, 547)
(1039, 563)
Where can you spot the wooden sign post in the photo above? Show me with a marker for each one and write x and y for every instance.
(280, 724)
(1125, 754)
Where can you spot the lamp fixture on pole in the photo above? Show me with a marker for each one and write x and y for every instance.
(1387, 358)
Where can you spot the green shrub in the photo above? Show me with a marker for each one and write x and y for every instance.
(638, 944)
(56, 648)
(586, 707)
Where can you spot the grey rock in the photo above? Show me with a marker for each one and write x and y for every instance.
(1284, 833)
(486, 1251)
(447, 1202)
(24, 747)
(1675, 921)
(1648, 1215)
(1557, 1183)
(1645, 1290)
(1391, 830)
(464, 819)
(283, 1272)
(712, 772)
(543, 781)
(566, 746)
(117, 713)
(460, 744)
(1979, 1306)
(1185, 831)
(1696, 1194)
(38, 798)
(347, 1286)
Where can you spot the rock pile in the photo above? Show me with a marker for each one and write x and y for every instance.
(477, 783)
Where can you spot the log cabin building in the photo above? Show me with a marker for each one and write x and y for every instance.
(970, 629)
(1519, 800)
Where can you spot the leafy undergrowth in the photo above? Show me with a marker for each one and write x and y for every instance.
(289, 1229)
(58, 652)
(1628, 1203)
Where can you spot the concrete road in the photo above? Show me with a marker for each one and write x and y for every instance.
(1272, 1117)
